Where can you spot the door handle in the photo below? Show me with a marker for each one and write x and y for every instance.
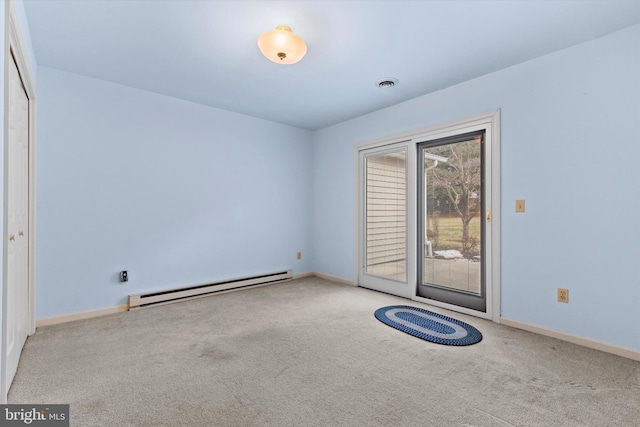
(20, 233)
(12, 237)
(488, 215)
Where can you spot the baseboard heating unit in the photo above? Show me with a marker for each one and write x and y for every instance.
(168, 296)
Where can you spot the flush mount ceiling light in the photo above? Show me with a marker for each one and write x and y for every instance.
(282, 45)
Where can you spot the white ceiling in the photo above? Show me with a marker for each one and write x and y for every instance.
(206, 51)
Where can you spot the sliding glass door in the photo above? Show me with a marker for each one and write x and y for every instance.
(424, 225)
(451, 224)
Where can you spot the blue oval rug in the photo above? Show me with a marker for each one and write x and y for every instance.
(428, 325)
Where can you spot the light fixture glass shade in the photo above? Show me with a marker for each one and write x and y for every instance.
(282, 45)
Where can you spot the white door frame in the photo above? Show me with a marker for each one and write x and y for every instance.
(489, 121)
(14, 48)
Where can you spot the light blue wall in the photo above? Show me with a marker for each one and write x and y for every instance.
(570, 147)
(179, 193)
(175, 192)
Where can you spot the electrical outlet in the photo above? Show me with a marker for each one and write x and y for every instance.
(124, 276)
(563, 295)
(299, 255)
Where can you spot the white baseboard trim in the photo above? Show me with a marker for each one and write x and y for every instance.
(303, 275)
(585, 342)
(47, 321)
(333, 278)
(81, 315)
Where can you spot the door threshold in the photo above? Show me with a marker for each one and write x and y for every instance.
(452, 307)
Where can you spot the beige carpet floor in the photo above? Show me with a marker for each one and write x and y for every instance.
(311, 353)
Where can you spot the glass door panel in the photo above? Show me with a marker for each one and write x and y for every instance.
(451, 222)
(386, 254)
(386, 215)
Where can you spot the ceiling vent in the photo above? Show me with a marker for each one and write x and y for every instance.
(387, 82)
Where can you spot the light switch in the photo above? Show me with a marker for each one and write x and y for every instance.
(519, 205)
